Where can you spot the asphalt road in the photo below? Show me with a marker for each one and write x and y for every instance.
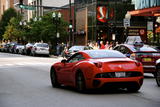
(25, 82)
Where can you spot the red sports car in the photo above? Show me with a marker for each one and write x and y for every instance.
(97, 69)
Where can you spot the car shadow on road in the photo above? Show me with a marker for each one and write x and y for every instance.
(97, 91)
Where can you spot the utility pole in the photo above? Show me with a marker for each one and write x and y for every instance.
(20, 4)
(70, 22)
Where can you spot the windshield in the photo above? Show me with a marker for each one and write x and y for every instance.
(133, 39)
(145, 48)
(105, 54)
(42, 45)
(77, 48)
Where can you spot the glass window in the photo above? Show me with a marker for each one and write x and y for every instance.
(77, 48)
(42, 45)
(105, 54)
(75, 58)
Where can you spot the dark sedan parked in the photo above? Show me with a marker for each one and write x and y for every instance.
(142, 53)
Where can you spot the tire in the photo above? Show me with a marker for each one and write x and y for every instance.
(53, 77)
(158, 77)
(133, 89)
(155, 74)
(80, 82)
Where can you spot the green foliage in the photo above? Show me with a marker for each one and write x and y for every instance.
(45, 29)
(12, 30)
(8, 14)
(36, 31)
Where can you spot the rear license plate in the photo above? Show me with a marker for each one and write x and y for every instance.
(147, 60)
(120, 74)
(42, 49)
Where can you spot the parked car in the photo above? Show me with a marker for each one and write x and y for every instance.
(158, 72)
(28, 48)
(97, 69)
(19, 49)
(40, 49)
(2, 47)
(142, 53)
(75, 49)
(6, 47)
(12, 47)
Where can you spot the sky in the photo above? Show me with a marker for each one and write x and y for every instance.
(56, 3)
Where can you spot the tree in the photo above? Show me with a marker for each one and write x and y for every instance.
(12, 31)
(8, 14)
(45, 29)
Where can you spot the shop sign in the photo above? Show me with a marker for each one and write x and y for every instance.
(150, 25)
(126, 22)
(104, 13)
(136, 32)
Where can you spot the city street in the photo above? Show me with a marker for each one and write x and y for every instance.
(25, 82)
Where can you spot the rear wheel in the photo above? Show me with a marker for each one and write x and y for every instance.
(53, 77)
(158, 77)
(80, 82)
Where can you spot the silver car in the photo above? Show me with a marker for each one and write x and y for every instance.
(40, 49)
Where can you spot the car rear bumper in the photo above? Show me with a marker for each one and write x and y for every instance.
(149, 68)
(121, 82)
(42, 52)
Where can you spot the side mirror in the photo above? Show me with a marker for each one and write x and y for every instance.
(63, 61)
(127, 55)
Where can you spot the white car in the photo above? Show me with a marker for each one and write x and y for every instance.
(40, 49)
(18, 49)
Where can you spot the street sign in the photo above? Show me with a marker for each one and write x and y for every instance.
(27, 7)
(126, 22)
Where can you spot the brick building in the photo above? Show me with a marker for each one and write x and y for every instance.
(4, 5)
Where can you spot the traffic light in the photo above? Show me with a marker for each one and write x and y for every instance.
(20, 2)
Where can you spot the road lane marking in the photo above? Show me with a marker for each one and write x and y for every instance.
(25, 64)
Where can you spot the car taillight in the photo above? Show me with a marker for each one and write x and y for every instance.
(98, 64)
(137, 63)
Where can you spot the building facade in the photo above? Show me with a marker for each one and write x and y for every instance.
(103, 20)
(4, 5)
(150, 10)
(42, 7)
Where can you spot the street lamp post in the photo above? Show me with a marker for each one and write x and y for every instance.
(36, 19)
(56, 20)
(70, 22)
(127, 23)
(22, 24)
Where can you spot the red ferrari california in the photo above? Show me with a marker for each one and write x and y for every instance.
(97, 69)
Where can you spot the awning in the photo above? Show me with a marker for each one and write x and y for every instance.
(154, 11)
